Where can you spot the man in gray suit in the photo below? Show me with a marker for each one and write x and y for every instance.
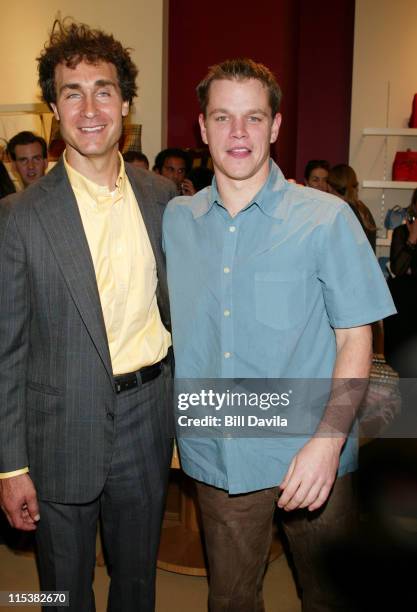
(85, 376)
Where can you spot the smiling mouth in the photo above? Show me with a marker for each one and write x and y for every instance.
(92, 130)
(239, 151)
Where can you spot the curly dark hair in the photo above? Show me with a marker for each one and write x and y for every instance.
(71, 43)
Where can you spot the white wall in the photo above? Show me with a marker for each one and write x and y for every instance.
(24, 27)
(385, 52)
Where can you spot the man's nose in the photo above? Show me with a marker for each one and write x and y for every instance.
(89, 108)
(239, 128)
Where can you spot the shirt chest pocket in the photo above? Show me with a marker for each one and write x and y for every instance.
(280, 301)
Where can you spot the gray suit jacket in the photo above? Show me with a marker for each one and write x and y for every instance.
(55, 371)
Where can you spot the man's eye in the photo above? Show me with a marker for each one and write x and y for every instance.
(104, 94)
(254, 119)
(221, 118)
(72, 96)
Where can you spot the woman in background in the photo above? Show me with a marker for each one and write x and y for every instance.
(401, 329)
(342, 182)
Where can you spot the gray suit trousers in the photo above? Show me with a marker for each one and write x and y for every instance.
(131, 508)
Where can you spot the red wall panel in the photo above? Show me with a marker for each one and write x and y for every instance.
(308, 46)
(202, 34)
(324, 81)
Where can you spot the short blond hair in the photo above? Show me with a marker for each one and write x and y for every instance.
(240, 70)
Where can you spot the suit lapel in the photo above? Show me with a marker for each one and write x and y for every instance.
(58, 212)
(148, 207)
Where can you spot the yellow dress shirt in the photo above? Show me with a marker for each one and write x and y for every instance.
(125, 270)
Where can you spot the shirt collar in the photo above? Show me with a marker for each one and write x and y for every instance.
(265, 199)
(98, 193)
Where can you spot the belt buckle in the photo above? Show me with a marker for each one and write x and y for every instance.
(125, 382)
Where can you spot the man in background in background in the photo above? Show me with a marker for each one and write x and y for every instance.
(29, 155)
(316, 173)
(174, 164)
(137, 159)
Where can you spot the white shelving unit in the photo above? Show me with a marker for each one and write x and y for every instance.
(384, 184)
(389, 131)
(389, 184)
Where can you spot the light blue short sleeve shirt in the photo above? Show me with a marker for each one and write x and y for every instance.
(259, 296)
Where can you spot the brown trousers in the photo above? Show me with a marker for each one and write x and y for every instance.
(238, 533)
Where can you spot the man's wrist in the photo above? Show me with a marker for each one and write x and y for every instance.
(334, 438)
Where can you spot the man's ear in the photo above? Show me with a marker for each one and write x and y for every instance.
(55, 111)
(125, 108)
(276, 123)
(203, 129)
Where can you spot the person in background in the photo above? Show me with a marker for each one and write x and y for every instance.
(174, 164)
(137, 159)
(401, 329)
(316, 173)
(6, 184)
(342, 182)
(29, 155)
(197, 179)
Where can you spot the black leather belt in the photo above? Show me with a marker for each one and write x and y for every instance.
(124, 382)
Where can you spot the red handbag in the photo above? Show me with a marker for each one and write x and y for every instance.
(413, 119)
(405, 166)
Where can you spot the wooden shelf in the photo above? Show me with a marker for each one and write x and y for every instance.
(389, 184)
(32, 107)
(389, 131)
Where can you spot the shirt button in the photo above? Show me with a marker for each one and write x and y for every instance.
(227, 355)
(226, 270)
(232, 228)
(226, 313)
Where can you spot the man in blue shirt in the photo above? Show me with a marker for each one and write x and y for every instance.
(267, 280)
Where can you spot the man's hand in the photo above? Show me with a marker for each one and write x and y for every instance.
(311, 474)
(19, 503)
(187, 188)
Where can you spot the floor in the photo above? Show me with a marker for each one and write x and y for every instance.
(380, 563)
(175, 593)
